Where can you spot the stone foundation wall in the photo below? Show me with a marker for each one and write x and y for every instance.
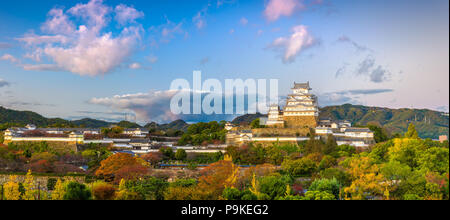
(59, 146)
(271, 132)
(301, 121)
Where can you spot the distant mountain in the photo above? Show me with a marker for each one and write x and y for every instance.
(27, 117)
(175, 125)
(429, 124)
(91, 123)
(10, 117)
(247, 119)
(127, 124)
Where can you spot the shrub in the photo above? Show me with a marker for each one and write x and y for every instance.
(77, 191)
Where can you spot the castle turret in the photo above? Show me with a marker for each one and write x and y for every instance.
(301, 108)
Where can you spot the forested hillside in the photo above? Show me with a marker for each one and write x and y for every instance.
(429, 124)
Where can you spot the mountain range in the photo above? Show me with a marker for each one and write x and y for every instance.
(429, 123)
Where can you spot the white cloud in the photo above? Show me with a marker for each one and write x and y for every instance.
(134, 66)
(151, 106)
(9, 57)
(277, 8)
(87, 50)
(125, 14)
(293, 45)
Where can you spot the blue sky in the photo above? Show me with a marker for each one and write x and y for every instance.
(60, 60)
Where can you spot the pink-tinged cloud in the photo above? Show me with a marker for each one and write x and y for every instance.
(293, 45)
(125, 14)
(58, 23)
(9, 57)
(87, 50)
(277, 8)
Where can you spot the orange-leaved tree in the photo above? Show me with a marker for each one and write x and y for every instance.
(217, 176)
(120, 163)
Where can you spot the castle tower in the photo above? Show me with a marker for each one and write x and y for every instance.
(301, 108)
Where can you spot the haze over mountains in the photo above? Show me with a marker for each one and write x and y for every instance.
(429, 124)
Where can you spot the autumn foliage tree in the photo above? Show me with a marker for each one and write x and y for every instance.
(103, 191)
(217, 176)
(11, 189)
(122, 165)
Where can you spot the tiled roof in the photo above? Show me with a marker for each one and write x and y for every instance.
(357, 130)
(301, 85)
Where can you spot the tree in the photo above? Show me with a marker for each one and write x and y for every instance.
(411, 133)
(180, 154)
(103, 191)
(256, 124)
(112, 165)
(153, 158)
(379, 133)
(11, 189)
(167, 153)
(367, 181)
(330, 146)
(130, 172)
(60, 190)
(300, 167)
(318, 195)
(434, 159)
(331, 186)
(231, 193)
(29, 187)
(274, 186)
(125, 194)
(217, 176)
(77, 191)
(51, 182)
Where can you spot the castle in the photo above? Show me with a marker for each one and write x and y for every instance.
(301, 110)
(296, 121)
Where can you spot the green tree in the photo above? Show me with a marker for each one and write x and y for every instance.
(318, 195)
(256, 124)
(51, 183)
(379, 134)
(180, 154)
(434, 159)
(300, 167)
(331, 186)
(411, 133)
(231, 193)
(274, 186)
(77, 191)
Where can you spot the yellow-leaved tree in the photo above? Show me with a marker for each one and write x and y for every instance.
(11, 189)
(367, 182)
(59, 191)
(28, 185)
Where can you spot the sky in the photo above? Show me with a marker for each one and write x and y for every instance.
(116, 59)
